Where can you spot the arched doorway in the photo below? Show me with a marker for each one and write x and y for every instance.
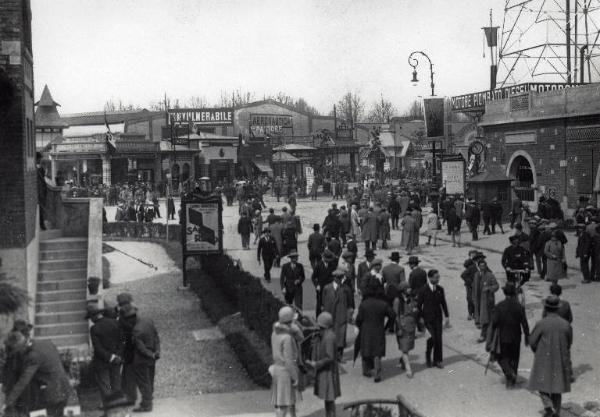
(521, 168)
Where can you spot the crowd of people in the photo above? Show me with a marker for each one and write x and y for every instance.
(378, 298)
(125, 346)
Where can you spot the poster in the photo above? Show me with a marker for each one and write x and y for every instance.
(434, 117)
(453, 176)
(309, 173)
(202, 234)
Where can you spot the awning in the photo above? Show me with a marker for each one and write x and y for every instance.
(283, 157)
(262, 166)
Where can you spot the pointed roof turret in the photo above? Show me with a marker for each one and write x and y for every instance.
(46, 114)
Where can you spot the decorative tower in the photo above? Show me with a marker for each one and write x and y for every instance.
(48, 124)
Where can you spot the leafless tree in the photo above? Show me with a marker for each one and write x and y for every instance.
(236, 98)
(415, 110)
(382, 111)
(351, 108)
(198, 102)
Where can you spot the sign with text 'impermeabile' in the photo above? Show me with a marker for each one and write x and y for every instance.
(218, 116)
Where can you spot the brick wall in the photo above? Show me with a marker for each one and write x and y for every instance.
(18, 202)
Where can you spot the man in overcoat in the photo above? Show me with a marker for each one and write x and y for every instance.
(551, 373)
(363, 269)
(337, 301)
(487, 285)
(509, 321)
(393, 273)
(322, 275)
(267, 249)
(371, 321)
(417, 277)
(292, 278)
(107, 342)
(431, 301)
(369, 228)
(316, 245)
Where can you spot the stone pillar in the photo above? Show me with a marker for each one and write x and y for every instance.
(106, 170)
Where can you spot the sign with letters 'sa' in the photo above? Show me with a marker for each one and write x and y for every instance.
(202, 228)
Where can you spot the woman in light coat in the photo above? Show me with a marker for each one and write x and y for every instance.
(354, 222)
(407, 312)
(488, 285)
(432, 228)
(284, 371)
(555, 254)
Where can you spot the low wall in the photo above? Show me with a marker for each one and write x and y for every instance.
(141, 230)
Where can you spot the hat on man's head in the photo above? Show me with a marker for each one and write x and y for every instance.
(293, 254)
(22, 327)
(128, 310)
(369, 253)
(395, 256)
(479, 255)
(509, 289)
(325, 320)
(124, 298)
(328, 255)
(347, 254)
(377, 261)
(266, 230)
(92, 310)
(551, 303)
(316, 226)
(403, 286)
(413, 260)
(513, 238)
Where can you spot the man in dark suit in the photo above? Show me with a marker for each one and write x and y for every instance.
(508, 322)
(292, 278)
(323, 275)
(107, 342)
(41, 367)
(417, 277)
(393, 273)
(146, 352)
(267, 248)
(316, 245)
(42, 188)
(431, 302)
(363, 270)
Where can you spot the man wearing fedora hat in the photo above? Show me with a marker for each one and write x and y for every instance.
(417, 277)
(363, 269)
(105, 334)
(291, 280)
(509, 321)
(551, 373)
(393, 274)
(322, 275)
(268, 249)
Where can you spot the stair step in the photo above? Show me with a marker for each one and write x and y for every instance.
(62, 295)
(67, 340)
(60, 274)
(62, 329)
(50, 234)
(50, 255)
(64, 243)
(59, 318)
(62, 264)
(61, 285)
(60, 306)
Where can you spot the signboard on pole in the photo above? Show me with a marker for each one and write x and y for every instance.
(453, 175)
(309, 173)
(434, 117)
(203, 233)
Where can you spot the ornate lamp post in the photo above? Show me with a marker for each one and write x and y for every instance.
(414, 62)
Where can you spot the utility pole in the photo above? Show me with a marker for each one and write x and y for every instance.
(568, 33)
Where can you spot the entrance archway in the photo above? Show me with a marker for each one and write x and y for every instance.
(522, 169)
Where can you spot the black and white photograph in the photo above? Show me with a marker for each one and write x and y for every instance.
(299, 208)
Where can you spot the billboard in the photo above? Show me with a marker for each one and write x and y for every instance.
(453, 176)
(203, 234)
(434, 117)
(262, 125)
(222, 116)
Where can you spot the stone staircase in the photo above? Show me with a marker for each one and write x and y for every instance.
(62, 292)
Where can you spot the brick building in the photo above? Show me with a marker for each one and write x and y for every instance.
(19, 231)
(549, 142)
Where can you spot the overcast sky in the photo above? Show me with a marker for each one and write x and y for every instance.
(90, 51)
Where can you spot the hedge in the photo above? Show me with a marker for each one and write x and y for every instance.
(257, 305)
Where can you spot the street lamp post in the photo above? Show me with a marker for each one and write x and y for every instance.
(414, 62)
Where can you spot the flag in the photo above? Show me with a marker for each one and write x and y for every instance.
(491, 35)
(434, 117)
(110, 140)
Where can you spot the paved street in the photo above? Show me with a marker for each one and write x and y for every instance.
(461, 388)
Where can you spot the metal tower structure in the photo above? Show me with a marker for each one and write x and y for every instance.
(549, 41)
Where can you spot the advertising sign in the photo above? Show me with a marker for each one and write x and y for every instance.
(453, 176)
(218, 116)
(262, 125)
(309, 173)
(476, 101)
(203, 234)
(434, 117)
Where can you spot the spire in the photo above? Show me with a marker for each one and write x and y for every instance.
(46, 99)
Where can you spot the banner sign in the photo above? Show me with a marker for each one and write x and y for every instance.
(262, 125)
(219, 116)
(453, 176)
(476, 101)
(203, 232)
(309, 173)
(434, 117)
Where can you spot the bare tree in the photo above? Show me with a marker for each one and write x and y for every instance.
(382, 111)
(235, 98)
(198, 102)
(351, 108)
(109, 106)
(415, 110)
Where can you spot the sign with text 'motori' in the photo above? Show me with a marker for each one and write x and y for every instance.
(476, 101)
(218, 116)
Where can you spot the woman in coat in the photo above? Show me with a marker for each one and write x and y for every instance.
(407, 311)
(432, 228)
(354, 222)
(551, 372)
(284, 371)
(488, 285)
(408, 231)
(324, 362)
(555, 254)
